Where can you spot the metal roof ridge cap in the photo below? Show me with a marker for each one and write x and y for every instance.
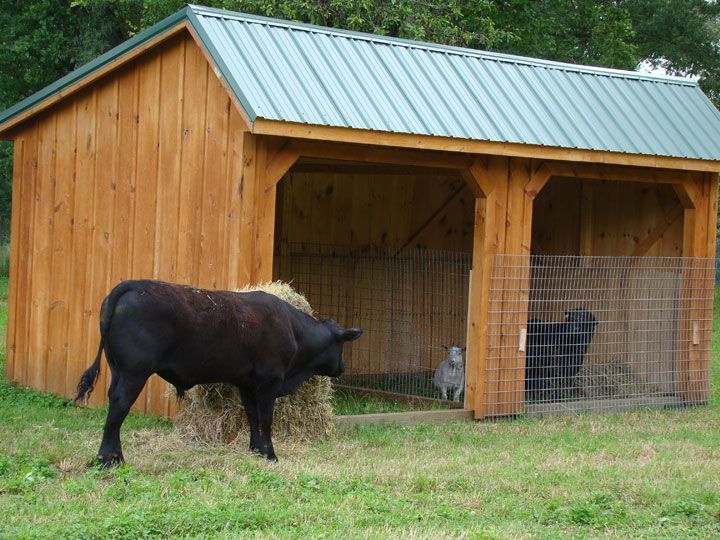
(438, 47)
(99, 62)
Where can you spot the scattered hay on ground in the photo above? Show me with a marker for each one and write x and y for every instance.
(213, 413)
(614, 379)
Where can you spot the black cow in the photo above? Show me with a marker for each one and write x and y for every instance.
(188, 336)
(556, 352)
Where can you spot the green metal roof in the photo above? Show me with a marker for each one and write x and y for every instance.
(286, 71)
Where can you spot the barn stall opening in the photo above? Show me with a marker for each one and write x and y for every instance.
(221, 149)
(610, 311)
(386, 248)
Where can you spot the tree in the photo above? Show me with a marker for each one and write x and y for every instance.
(577, 31)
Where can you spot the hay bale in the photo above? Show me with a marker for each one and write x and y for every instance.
(213, 413)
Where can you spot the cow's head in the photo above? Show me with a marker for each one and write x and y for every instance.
(581, 321)
(330, 361)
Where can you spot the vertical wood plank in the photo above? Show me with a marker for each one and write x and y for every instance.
(126, 183)
(15, 224)
(102, 221)
(191, 166)
(476, 356)
(171, 107)
(233, 201)
(124, 200)
(264, 220)
(62, 249)
(41, 256)
(172, 76)
(146, 177)
(214, 170)
(515, 297)
(78, 356)
(247, 221)
(586, 218)
(495, 243)
(24, 297)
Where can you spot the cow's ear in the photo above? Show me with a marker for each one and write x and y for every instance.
(351, 334)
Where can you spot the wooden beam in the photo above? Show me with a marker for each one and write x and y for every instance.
(91, 78)
(372, 169)
(449, 144)
(538, 179)
(477, 178)
(430, 219)
(649, 241)
(712, 215)
(374, 154)
(264, 218)
(688, 194)
(404, 418)
(617, 173)
(279, 164)
(488, 239)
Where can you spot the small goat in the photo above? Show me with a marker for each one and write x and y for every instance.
(556, 352)
(450, 374)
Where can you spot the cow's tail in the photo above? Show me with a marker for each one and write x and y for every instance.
(90, 376)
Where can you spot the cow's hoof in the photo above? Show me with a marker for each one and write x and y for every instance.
(111, 460)
(271, 457)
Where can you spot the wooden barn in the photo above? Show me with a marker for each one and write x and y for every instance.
(418, 190)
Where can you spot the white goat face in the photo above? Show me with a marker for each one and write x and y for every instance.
(454, 355)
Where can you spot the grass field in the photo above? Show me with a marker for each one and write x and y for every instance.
(643, 474)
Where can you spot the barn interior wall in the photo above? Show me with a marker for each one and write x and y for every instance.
(148, 173)
(377, 209)
(606, 218)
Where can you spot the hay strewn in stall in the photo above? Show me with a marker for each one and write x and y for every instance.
(614, 379)
(213, 413)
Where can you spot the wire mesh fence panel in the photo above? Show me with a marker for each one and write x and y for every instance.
(583, 333)
(410, 303)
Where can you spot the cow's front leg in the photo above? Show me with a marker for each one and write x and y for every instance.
(247, 395)
(266, 394)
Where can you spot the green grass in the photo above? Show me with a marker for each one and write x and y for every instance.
(651, 474)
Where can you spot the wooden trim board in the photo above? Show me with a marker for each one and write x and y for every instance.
(262, 126)
(404, 418)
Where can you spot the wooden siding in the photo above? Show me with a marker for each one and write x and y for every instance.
(433, 209)
(146, 174)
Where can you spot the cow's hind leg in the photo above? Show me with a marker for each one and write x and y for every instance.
(266, 394)
(123, 392)
(247, 395)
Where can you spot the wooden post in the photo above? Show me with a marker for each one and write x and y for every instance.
(698, 195)
(505, 191)
(264, 217)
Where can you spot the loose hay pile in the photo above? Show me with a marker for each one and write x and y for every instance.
(213, 413)
(613, 379)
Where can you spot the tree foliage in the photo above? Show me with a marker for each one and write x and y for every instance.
(44, 39)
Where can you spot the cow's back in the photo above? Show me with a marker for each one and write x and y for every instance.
(199, 335)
